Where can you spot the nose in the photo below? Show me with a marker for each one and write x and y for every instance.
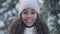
(29, 15)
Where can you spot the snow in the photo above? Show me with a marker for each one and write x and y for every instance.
(2, 24)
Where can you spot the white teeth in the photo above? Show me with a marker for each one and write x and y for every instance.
(29, 20)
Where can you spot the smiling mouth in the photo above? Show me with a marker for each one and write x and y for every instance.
(29, 20)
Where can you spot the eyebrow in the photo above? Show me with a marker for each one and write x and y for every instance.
(31, 10)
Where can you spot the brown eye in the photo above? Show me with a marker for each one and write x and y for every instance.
(25, 12)
(32, 12)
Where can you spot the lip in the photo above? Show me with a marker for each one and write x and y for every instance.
(29, 20)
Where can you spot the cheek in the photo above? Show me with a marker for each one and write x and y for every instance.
(23, 17)
(35, 16)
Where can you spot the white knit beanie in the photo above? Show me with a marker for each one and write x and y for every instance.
(29, 4)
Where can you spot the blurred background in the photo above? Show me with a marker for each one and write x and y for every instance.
(50, 10)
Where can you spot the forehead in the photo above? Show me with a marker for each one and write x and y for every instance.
(28, 9)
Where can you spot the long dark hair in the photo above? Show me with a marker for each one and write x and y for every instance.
(17, 26)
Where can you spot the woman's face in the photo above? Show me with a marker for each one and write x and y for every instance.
(29, 16)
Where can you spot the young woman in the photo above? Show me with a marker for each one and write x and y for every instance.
(29, 19)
